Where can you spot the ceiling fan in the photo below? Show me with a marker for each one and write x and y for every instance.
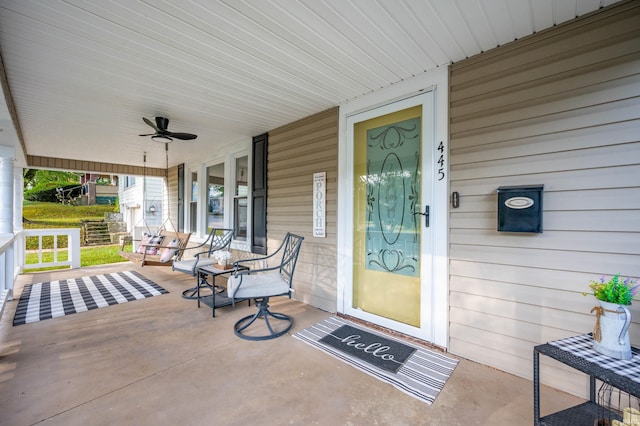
(162, 134)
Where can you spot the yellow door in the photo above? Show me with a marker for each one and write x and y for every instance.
(390, 195)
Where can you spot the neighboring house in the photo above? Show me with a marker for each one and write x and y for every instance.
(95, 192)
(559, 109)
(141, 201)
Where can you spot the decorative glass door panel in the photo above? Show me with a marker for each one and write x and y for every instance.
(387, 223)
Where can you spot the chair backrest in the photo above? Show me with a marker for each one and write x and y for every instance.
(290, 249)
(220, 239)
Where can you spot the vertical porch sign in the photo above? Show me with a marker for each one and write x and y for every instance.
(319, 203)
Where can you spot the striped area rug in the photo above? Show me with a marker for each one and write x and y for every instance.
(422, 375)
(54, 299)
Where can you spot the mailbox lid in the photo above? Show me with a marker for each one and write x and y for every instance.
(519, 188)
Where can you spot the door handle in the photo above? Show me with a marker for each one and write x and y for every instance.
(426, 216)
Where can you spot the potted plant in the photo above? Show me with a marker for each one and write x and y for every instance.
(611, 332)
(222, 257)
(614, 290)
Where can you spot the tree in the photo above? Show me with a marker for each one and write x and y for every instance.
(43, 185)
(47, 179)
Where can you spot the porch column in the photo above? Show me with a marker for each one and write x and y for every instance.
(7, 255)
(7, 159)
(18, 197)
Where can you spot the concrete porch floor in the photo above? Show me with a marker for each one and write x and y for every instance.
(162, 361)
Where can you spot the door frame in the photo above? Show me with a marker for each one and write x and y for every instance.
(437, 83)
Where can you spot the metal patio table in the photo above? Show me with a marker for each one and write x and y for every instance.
(577, 352)
(217, 299)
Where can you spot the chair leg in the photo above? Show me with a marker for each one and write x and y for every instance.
(263, 312)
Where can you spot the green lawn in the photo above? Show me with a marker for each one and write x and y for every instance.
(52, 215)
(38, 215)
(89, 256)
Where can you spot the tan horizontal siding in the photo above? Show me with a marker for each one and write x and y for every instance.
(36, 162)
(596, 115)
(605, 220)
(572, 139)
(295, 152)
(561, 109)
(623, 242)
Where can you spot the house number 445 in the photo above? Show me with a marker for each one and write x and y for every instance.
(441, 163)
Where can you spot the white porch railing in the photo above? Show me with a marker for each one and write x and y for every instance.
(13, 256)
(57, 256)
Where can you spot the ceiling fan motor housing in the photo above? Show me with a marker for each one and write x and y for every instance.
(162, 123)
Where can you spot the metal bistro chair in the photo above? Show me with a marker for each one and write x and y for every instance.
(261, 284)
(218, 239)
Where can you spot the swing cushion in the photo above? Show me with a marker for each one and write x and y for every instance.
(146, 239)
(144, 258)
(156, 240)
(169, 251)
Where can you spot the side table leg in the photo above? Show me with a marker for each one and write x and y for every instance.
(592, 388)
(536, 388)
(213, 297)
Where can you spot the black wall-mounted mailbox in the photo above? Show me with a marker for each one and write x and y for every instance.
(520, 208)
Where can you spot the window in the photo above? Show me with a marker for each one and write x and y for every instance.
(220, 197)
(193, 205)
(215, 196)
(129, 181)
(240, 198)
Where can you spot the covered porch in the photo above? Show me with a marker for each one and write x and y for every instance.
(161, 360)
(540, 93)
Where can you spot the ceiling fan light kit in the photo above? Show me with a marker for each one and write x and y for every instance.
(161, 138)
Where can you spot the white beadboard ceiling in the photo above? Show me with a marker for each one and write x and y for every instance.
(83, 73)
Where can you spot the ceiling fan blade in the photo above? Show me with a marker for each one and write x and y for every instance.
(150, 123)
(183, 136)
(150, 134)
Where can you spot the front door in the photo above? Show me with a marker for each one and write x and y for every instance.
(392, 150)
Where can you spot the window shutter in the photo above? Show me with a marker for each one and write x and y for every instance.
(259, 194)
(181, 197)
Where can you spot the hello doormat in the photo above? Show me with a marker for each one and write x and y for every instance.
(417, 371)
(54, 299)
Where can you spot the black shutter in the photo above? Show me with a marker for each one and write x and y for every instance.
(181, 198)
(259, 194)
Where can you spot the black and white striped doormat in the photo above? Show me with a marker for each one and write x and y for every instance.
(54, 299)
(422, 373)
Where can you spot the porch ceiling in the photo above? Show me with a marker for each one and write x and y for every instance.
(83, 73)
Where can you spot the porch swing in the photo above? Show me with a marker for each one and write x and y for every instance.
(159, 248)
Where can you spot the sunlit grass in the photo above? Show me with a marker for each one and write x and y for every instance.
(89, 256)
(39, 215)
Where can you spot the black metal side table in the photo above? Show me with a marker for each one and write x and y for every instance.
(577, 353)
(217, 299)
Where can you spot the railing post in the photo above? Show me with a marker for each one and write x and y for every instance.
(20, 251)
(6, 271)
(9, 271)
(74, 248)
